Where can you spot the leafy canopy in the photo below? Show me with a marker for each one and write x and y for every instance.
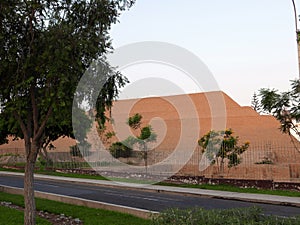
(221, 145)
(146, 133)
(284, 106)
(45, 48)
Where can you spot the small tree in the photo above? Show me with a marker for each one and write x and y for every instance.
(146, 136)
(255, 103)
(221, 145)
(106, 136)
(285, 106)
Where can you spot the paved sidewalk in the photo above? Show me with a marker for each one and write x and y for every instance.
(261, 198)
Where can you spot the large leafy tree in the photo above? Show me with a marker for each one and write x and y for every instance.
(45, 47)
(285, 106)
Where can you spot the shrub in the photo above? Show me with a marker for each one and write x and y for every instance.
(118, 149)
(74, 151)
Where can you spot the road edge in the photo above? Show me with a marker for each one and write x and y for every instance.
(247, 197)
(145, 214)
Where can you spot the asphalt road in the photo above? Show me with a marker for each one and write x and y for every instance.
(154, 201)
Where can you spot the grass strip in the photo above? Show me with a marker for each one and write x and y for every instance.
(10, 216)
(89, 216)
(226, 187)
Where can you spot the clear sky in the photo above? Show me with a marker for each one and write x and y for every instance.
(246, 44)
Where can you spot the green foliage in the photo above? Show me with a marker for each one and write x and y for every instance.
(118, 149)
(74, 151)
(124, 148)
(83, 121)
(42, 163)
(239, 216)
(3, 130)
(269, 98)
(255, 103)
(146, 133)
(46, 47)
(135, 121)
(109, 91)
(109, 135)
(9, 154)
(221, 145)
(285, 106)
(106, 136)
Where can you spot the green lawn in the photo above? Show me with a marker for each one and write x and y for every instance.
(225, 187)
(89, 216)
(15, 217)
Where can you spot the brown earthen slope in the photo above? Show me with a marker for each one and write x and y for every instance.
(174, 117)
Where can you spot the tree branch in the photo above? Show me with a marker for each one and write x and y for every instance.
(31, 29)
(34, 110)
(25, 133)
(22, 124)
(43, 125)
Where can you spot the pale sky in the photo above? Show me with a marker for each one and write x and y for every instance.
(247, 45)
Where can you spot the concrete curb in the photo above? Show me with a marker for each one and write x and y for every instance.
(248, 197)
(146, 214)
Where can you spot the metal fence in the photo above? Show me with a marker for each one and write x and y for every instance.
(261, 161)
(14, 151)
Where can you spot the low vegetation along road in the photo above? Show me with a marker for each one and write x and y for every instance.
(154, 201)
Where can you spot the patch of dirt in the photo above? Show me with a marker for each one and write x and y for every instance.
(55, 219)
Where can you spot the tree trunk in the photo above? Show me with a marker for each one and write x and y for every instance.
(145, 156)
(298, 47)
(146, 161)
(29, 212)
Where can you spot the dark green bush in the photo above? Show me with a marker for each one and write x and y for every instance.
(118, 149)
(74, 151)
